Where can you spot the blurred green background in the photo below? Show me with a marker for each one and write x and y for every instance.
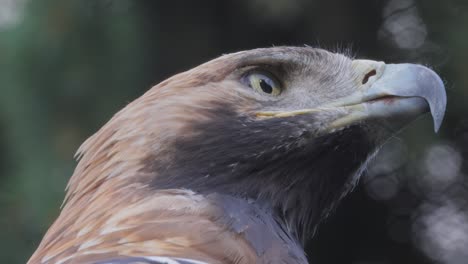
(67, 66)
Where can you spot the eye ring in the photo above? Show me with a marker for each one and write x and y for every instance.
(263, 82)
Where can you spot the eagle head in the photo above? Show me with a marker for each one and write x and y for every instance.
(269, 137)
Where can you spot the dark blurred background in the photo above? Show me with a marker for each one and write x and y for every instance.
(67, 66)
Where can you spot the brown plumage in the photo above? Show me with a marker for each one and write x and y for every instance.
(211, 165)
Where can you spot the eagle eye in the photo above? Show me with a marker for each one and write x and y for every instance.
(263, 82)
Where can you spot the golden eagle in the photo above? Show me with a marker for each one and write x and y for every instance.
(234, 161)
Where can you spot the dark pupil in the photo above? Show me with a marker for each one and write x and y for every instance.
(265, 86)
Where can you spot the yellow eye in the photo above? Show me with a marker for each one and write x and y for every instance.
(263, 82)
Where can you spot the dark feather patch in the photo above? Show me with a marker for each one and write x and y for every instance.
(279, 163)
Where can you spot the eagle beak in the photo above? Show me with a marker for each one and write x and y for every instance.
(393, 93)
(397, 93)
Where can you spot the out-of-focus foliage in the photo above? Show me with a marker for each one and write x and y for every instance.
(67, 66)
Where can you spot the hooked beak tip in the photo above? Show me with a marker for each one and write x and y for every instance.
(412, 80)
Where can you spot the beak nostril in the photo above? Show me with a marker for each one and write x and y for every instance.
(368, 75)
